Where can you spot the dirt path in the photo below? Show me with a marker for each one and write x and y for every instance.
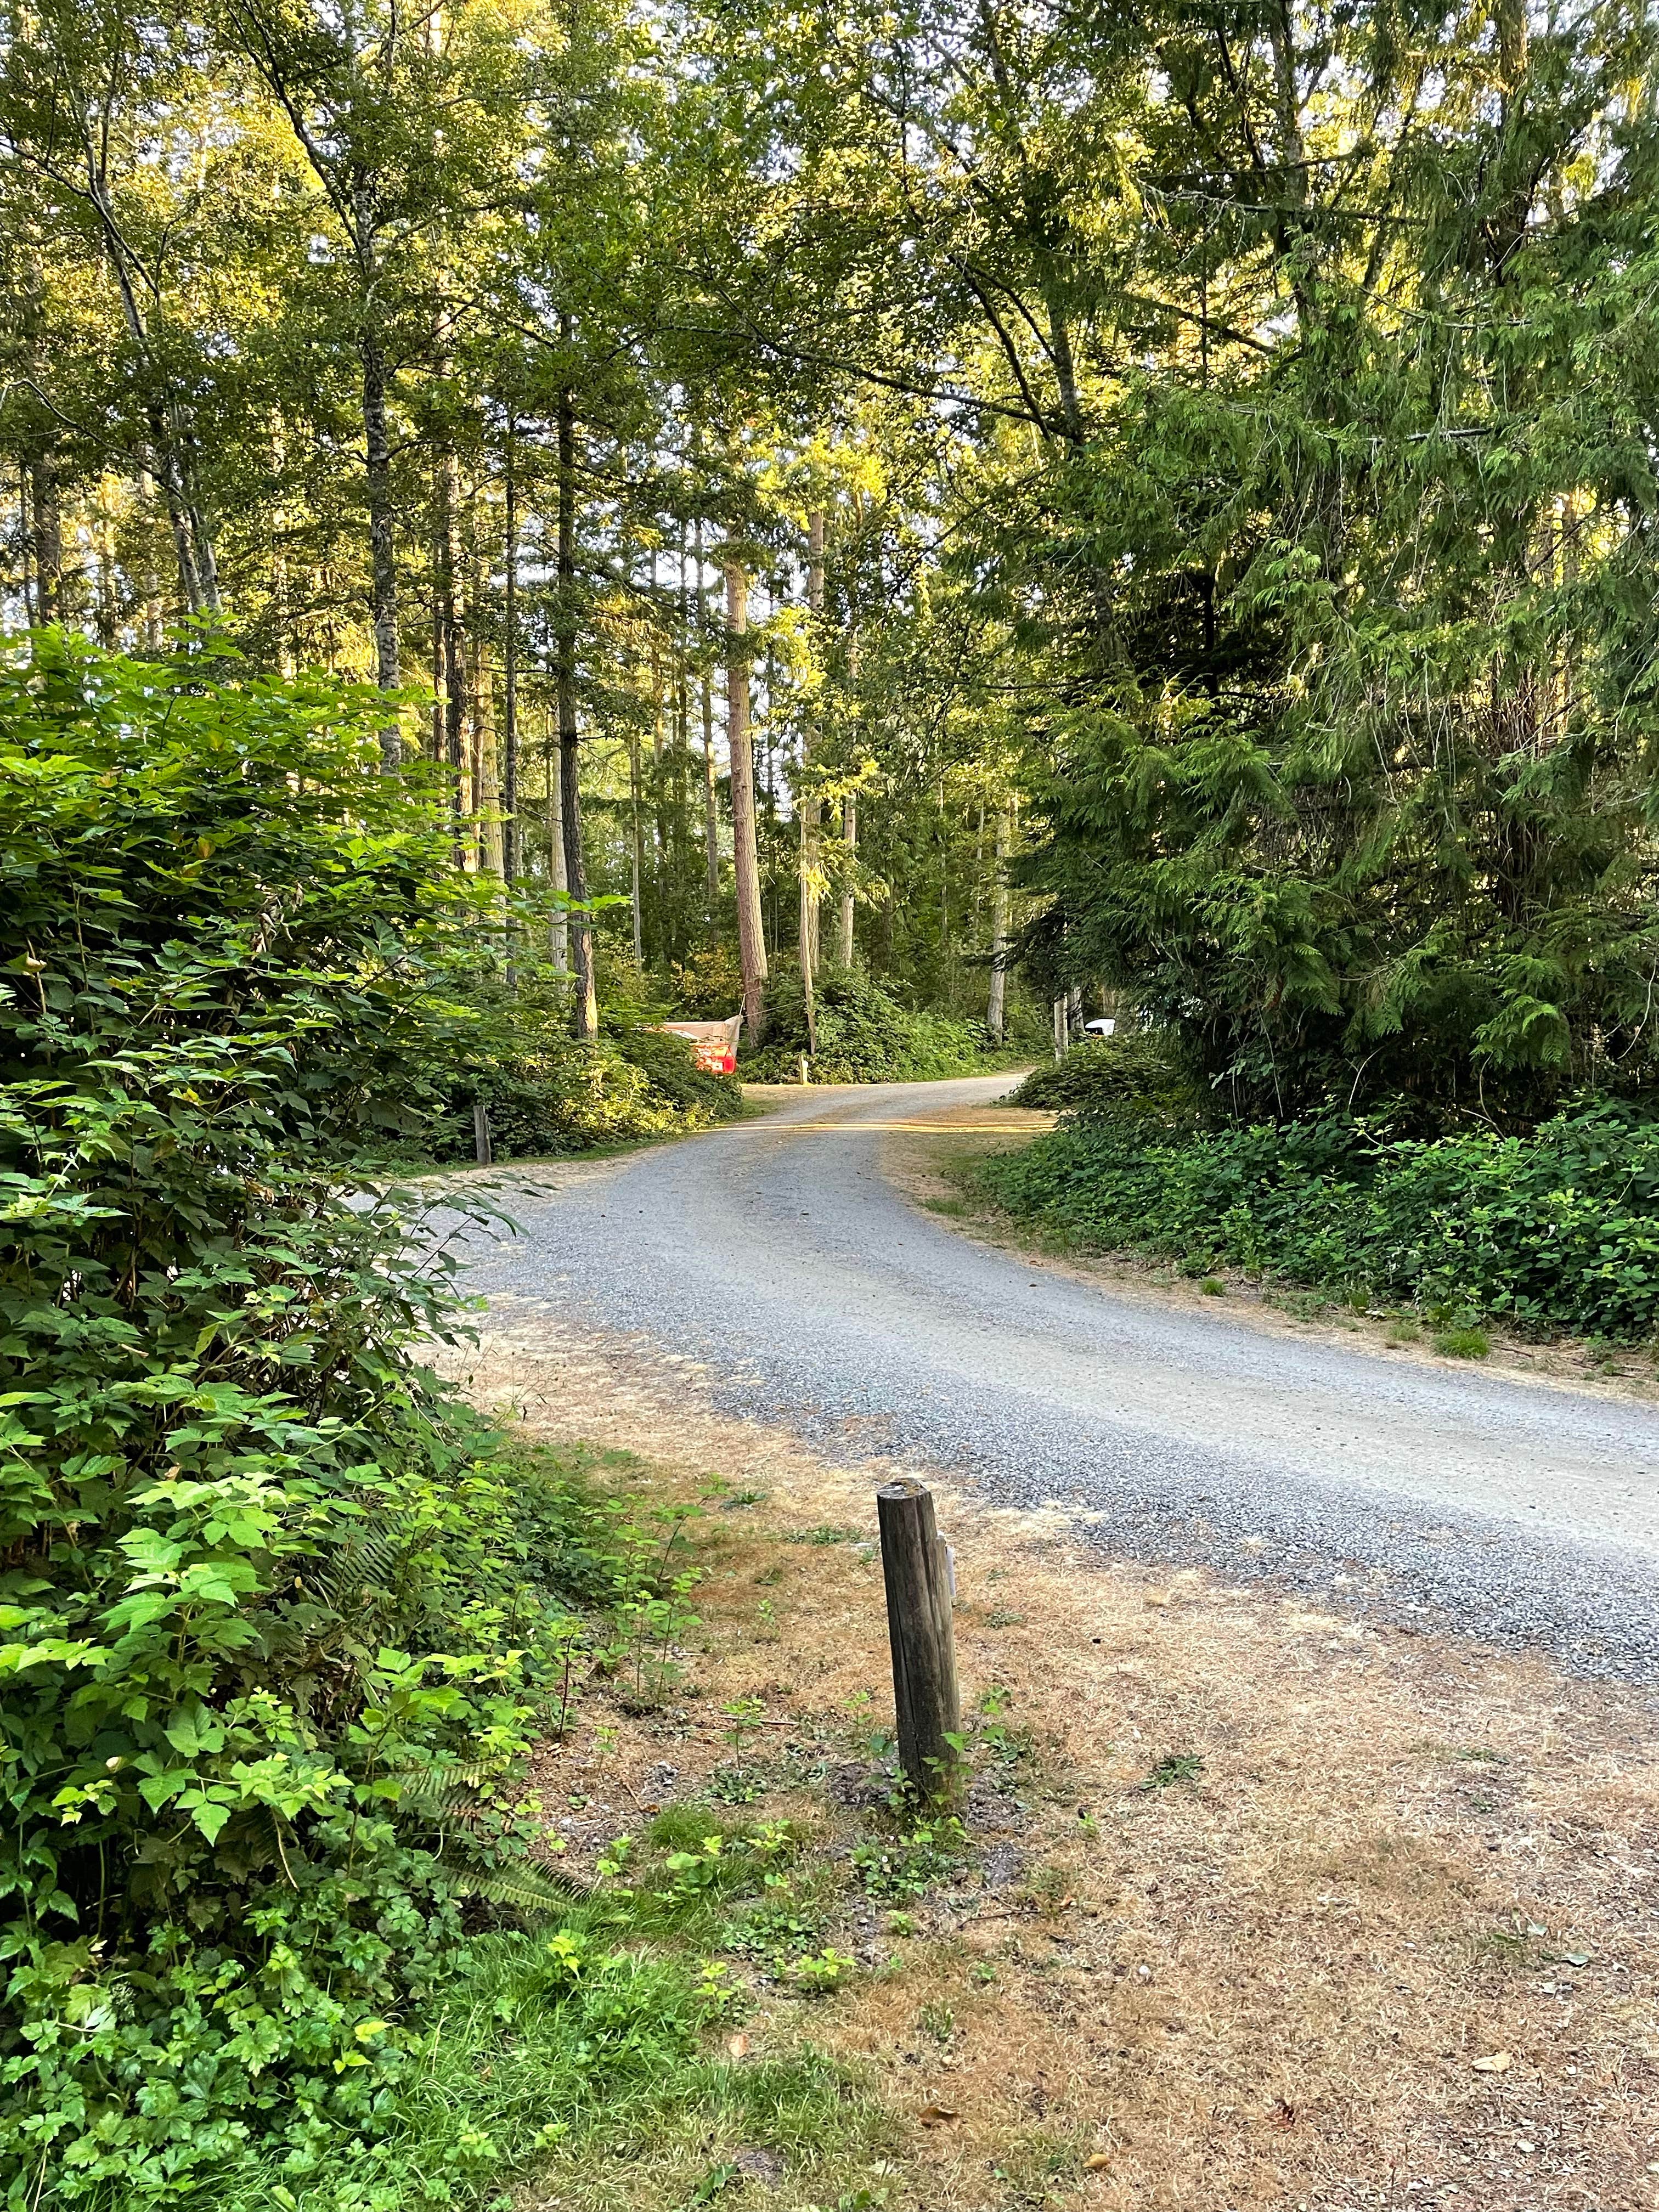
(777, 1262)
(1257, 1902)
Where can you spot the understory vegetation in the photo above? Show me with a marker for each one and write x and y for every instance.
(866, 1034)
(280, 1618)
(1554, 1228)
(521, 522)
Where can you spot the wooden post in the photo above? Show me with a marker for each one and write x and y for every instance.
(916, 1568)
(480, 1140)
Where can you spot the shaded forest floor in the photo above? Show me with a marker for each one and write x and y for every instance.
(1251, 1904)
(935, 1167)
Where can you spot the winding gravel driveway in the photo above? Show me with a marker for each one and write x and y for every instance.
(777, 1253)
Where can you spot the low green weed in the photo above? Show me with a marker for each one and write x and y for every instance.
(1178, 1766)
(911, 1863)
(1555, 1229)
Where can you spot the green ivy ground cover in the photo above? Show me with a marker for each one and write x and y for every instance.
(1555, 1229)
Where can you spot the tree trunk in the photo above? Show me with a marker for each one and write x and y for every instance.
(585, 1014)
(510, 840)
(711, 818)
(711, 810)
(810, 810)
(435, 742)
(558, 927)
(751, 938)
(26, 547)
(48, 536)
(153, 618)
(849, 837)
(635, 843)
(160, 460)
(492, 851)
(449, 588)
(995, 1011)
(382, 557)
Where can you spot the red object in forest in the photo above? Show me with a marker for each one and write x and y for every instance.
(714, 1044)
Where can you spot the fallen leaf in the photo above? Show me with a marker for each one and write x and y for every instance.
(736, 2046)
(1499, 2062)
(1098, 2164)
(1282, 2115)
(1575, 1957)
(935, 2116)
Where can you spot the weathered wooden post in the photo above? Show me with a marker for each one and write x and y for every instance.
(915, 1565)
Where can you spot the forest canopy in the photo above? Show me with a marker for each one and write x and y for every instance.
(1157, 502)
(523, 518)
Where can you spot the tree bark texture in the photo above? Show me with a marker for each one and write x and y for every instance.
(752, 937)
(383, 564)
(510, 840)
(995, 1011)
(585, 1012)
(809, 810)
(915, 1564)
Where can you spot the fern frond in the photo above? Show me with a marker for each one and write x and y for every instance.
(521, 1891)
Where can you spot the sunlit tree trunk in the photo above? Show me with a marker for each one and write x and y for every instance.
(751, 938)
(511, 843)
(995, 1011)
(810, 810)
(585, 1012)
(849, 837)
(635, 843)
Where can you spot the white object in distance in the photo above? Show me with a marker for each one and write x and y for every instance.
(1104, 1025)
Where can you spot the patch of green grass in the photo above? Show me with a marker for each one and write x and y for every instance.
(1462, 1343)
(1213, 1288)
(825, 1533)
(652, 2145)
(954, 1209)
(544, 2040)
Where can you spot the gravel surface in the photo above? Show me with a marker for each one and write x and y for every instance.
(776, 1254)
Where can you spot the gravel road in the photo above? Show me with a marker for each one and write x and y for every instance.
(777, 1253)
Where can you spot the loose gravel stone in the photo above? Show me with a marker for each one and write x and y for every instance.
(776, 1258)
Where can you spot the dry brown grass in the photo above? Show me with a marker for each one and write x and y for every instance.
(1270, 1984)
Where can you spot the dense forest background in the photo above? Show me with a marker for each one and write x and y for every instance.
(1191, 477)
(522, 518)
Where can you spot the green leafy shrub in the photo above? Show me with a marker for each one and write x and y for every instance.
(1558, 1229)
(866, 1034)
(509, 1045)
(707, 984)
(275, 1615)
(1133, 1068)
